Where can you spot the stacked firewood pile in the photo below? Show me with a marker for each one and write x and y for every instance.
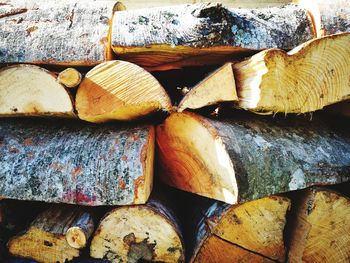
(190, 133)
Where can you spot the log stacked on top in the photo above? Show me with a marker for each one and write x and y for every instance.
(246, 160)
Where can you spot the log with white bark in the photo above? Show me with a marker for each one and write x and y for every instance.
(330, 17)
(66, 162)
(27, 90)
(218, 87)
(119, 90)
(145, 232)
(200, 34)
(250, 232)
(321, 231)
(55, 32)
(45, 240)
(245, 158)
(305, 79)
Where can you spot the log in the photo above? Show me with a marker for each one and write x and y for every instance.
(147, 232)
(330, 17)
(246, 158)
(310, 77)
(219, 86)
(321, 231)
(70, 77)
(27, 90)
(249, 232)
(45, 239)
(190, 35)
(67, 33)
(118, 90)
(66, 162)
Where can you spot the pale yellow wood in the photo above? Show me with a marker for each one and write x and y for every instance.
(306, 79)
(32, 91)
(322, 232)
(219, 86)
(257, 226)
(119, 90)
(69, 77)
(128, 234)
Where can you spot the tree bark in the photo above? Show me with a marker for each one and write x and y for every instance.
(27, 90)
(145, 232)
(45, 239)
(244, 159)
(50, 32)
(66, 162)
(119, 90)
(201, 34)
(310, 77)
(250, 232)
(321, 232)
(219, 86)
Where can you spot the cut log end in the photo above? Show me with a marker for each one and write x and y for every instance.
(130, 234)
(219, 86)
(27, 90)
(181, 155)
(69, 77)
(310, 77)
(76, 237)
(118, 90)
(322, 228)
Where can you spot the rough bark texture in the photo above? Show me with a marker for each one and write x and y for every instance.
(45, 240)
(244, 159)
(55, 32)
(321, 230)
(145, 232)
(251, 232)
(168, 34)
(75, 163)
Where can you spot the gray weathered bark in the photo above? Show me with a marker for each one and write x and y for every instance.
(74, 163)
(55, 32)
(175, 32)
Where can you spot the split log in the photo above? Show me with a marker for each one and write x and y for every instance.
(118, 90)
(32, 91)
(50, 32)
(330, 17)
(250, 232)
(69, 77)
(321, 231)
(201, 34)
(219, 86)
(246, 158)
(45, 239)
(306, 79)
(64, 162)
(145, 232)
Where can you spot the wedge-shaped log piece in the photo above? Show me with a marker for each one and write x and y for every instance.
(219, 86)
(118, 90)
(250, 232)
(322, 227)
(32, 91)
(305, 79)
(45, 239)
(145, 232)
(244, 159)
(330, 17)
(201, 34)
(51, 32)
(73, 163)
